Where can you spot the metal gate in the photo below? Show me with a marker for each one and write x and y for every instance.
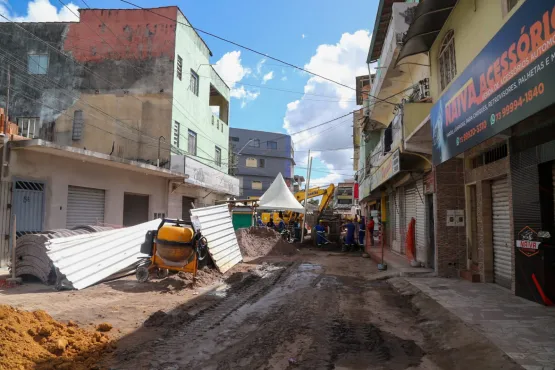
(502, 262)
(85, 206)
(421, 252)
(28, 206)
(399, 210)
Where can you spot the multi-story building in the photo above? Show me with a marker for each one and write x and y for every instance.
(118, 107)
(492, 137)
(391, 174)
(258, 157)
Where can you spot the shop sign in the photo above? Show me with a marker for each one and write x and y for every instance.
(429, 182)
(389, 168)
(512, 78)
(527, 242)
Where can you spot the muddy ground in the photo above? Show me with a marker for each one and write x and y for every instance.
(312, 310)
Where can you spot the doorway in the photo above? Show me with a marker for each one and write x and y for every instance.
(431, 231)
(135, 209)
(186, 206)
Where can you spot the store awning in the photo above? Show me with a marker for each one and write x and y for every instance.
(428, 21)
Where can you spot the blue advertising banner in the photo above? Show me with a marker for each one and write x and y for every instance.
(512, 78)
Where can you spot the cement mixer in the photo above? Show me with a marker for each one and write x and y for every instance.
(175, 246)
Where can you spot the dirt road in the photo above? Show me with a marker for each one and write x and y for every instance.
(316, 310)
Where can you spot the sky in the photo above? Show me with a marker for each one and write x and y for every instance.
(328, 37)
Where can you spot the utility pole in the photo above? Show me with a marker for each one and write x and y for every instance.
(7, 104)
(308, 171)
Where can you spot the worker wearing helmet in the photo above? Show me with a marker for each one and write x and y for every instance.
(320, 232)
(350, 237)
(281, 225)
(271, 224)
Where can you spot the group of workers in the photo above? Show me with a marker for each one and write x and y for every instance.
(350, 227)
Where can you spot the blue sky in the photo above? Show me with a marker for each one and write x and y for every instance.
(327, 37)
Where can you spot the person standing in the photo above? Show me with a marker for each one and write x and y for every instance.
(350, 237)
(370, 228)
(361, 233)
(271, 224)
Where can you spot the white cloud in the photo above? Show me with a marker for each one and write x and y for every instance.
(259, 66)
(341, 62)
(232, 71)
(41, 11)
(303, 36)
(284, 78)
(267, 77)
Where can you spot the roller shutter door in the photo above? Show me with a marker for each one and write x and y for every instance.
(410, 209)
(502, 263)
(85, 206)
(421, 253)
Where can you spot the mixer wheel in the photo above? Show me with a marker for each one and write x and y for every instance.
(142, 274)
(162, 273)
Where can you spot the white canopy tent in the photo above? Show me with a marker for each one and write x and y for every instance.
(278, 197)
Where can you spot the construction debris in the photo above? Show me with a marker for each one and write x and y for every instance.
(35, 340)
(31, 256)
(263, 241)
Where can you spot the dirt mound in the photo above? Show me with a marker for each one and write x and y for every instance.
(205, 276)
(261, 241)
(35, 340)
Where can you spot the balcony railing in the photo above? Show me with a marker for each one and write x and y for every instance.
(217, 123)
(218, 83)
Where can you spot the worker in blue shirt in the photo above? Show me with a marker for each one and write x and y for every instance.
(281, 225)
(260, 223)
(361, 233)
(271, 224)
(320, 232)
(350, 237)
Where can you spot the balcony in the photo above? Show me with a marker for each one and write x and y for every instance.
(218, 84)
(201, 175)
(217, 123)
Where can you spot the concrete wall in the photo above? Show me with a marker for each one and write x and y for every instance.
(413, 115)
(60, 172)
(202, 198)
(474, 24)
(191, 111)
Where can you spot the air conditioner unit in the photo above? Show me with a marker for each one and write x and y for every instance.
(425, 88)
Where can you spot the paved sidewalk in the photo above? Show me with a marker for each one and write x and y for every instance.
(396, 262)
(524, 330)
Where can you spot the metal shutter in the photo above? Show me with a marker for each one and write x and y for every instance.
(398, 210)
(421, 254)
(85, 206)
(502, 265)
(410, 209)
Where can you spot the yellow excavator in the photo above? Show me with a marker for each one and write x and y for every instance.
(326, 194)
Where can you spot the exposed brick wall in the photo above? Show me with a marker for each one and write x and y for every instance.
(450, 241)
(122, 34)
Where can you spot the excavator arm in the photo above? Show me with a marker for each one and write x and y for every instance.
(330, 190)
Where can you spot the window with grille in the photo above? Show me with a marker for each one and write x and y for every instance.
(233, 138)
(257, 185)
(271, 145)
(194, 86)
(192, 143)
(179, 67)
(251, 162)
(492, 155)
(218, 157)
(261, 163)
(176, 134)
(29, 126)
(37, 64)
(447, 61)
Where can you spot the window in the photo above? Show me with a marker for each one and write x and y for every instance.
(176, 134)
(257, 185)
(271, 145)
(37, 64)
(194, 83)
(447, 61)
(511, 4)
(233, 138)
(192, 143)
(251, 162)
(28, 127)
(218, 157)
(255, 143)
(261, 163)
(179, 67)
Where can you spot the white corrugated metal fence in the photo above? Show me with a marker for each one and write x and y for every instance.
(216, 226)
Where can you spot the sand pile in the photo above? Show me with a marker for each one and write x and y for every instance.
(35, 340)
(261, 241)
